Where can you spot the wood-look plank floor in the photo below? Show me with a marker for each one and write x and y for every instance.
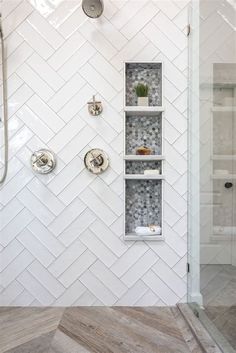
(19, 326)
(95, 330)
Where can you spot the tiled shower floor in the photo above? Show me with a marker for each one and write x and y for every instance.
(95, 330)
(218, 283)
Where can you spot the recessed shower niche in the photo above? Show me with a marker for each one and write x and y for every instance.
(143, 158)
(147, 73)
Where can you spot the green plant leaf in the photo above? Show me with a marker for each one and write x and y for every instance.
(141, 90)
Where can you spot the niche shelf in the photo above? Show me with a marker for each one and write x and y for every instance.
(224, 157)
(143, 125)
(225, 109)
(133, 157)
(138, 110)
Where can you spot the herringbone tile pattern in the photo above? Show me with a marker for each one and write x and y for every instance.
(97, 329)
(61, 234)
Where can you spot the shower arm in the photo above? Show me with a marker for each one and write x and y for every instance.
(4, 102)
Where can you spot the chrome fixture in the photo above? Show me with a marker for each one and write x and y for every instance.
(95, 107)
(93, 8)
(43, 161)
(96, 161)
(4, 99)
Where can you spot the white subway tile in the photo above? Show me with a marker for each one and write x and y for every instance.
(46, 72)
(62, 12)
(46, 196)
(66, 175)
(76, 61)
(142, 17)
(133, 294)
(78, 227)
(171, 30)
(130, 50)
(10, 293)
(125, 14)
(97, 81)
(36, 207)
(15, 185)
(69, 297)
(138, 269)
(97, 40)
(160, 288)
(77, 144)
(41, 25)
(81, 264)
(23, 299)
(108, 278)
(76, 186)
(66, 92)
(67, 258)
(107, 71)
(46, 237)
(98, 248)
(18, 57)
(77, 102)
(45, 113)
(35, 123)
(21, 220)
(63, 53)
(46, 279)
(110, 32)
(102, 190)
(15, 268)
(67, 217)
(97, 206)
(72, 23)
(104, 233)
(36, 289)
(17, 16)
(35, 40)
(34, 81)
(98, 289)
(168, 276)
(169, 8)
(9, 253)
(161, 41)
(9, 212)
(39, 251)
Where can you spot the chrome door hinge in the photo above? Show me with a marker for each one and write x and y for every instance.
(188, 267)
(188, 30)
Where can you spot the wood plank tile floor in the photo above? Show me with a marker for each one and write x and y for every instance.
(218, 287)
(95, 330)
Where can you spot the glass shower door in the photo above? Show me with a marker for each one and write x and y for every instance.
(212, 166)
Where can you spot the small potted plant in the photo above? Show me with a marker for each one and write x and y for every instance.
(142, 94)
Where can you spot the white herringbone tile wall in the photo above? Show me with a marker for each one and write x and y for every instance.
(61, 234)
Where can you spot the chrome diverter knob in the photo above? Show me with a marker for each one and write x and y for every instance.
(43, 161)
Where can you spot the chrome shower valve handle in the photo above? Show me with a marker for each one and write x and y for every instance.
(95, 107)
(43, 161)
(96, 161)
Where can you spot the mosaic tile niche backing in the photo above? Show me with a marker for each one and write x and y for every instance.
(143, 203)
(149, 74)
(133, 167)
(143, 131)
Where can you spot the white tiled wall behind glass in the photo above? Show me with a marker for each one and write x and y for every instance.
(61, 234)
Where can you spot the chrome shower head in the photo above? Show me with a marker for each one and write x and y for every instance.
(93, 8)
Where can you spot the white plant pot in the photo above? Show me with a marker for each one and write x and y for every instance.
(143, 101)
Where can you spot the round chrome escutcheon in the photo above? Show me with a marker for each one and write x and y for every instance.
(43, 161)
(96, 161)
